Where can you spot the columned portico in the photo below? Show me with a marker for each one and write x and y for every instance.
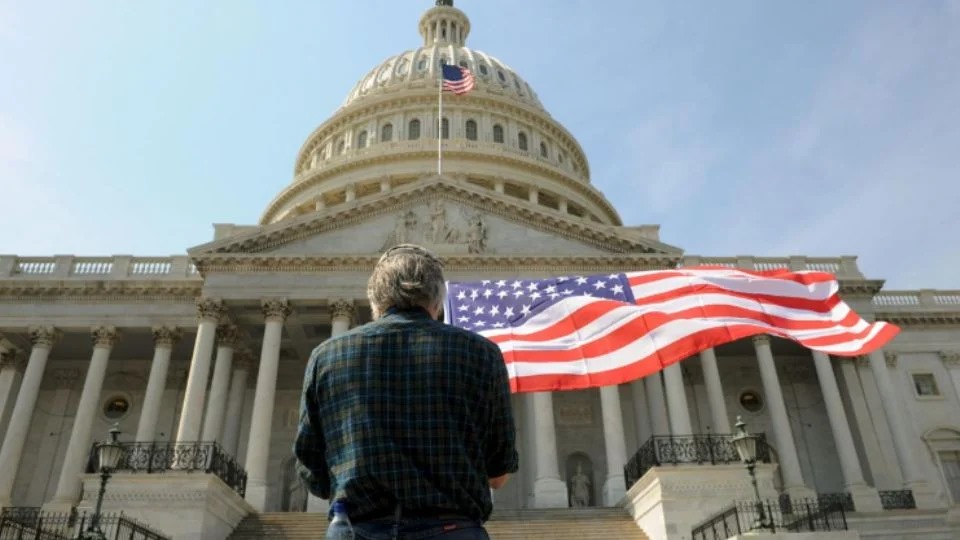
(227, 336)
(548, 490)
(656, 404)
(865, 498)
(164, 339)
(614, 487)
(899, 429)
(11, 364)
(275, 312)
(42, 339)
(677, 401)
(209, 312)
(786, 449)
(242, 365)
(711, 379)
(68, 487)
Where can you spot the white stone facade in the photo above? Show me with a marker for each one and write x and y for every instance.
(212, 345)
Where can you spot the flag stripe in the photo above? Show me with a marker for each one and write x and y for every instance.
(568, 333)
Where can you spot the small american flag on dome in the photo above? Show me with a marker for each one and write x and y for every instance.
(458, 80)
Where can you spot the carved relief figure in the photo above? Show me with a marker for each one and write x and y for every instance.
(580, 489)
(439, 232)
(403, 230)
(476, 234)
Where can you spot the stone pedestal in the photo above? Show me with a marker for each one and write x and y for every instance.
(184, 506)
(866, 499)
(824, 535)
(550, 493)
(925, 496)
(667, 502)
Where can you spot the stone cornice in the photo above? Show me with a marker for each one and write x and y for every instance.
(920, 318)
(282, 233)
(243, 262)
(860, 287)
(100, 291)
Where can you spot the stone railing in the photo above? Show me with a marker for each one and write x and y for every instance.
(843, 267)
(116, 267)
(923, 299)
(701, 449)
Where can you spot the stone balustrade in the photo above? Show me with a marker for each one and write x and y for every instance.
(843, 267)
(924, 299)
(107, 268)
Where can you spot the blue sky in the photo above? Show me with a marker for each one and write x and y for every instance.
(742, 127)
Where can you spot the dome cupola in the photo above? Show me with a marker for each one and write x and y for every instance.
(444, 25)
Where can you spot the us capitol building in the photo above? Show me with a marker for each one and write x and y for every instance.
(199, 358)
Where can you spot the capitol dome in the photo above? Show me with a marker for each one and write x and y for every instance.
(497, 138)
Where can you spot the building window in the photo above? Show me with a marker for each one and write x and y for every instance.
(925, 385)
(751, 401)
(446, 128)
(950, 464)
(502, 77)
(498, 134)
(116, 407)
(386, 133)
(471, 129)
(341, 146)
(402, 66)
(413, 131)
(422, 64)
(522, 141)
(362, 140)
(561, 158)
(483, 70)
(543, 150)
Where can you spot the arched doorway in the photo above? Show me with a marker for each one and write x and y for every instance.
(944, 444)
(580, 481)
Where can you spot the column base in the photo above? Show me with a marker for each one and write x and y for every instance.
(925, 496)
(316, 505)
(614, 489)
(865, 498)
(256, 496)
(550, 493)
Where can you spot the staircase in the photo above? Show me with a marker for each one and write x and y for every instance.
(559, 524)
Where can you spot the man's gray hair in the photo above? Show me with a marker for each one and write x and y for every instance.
(406, 276)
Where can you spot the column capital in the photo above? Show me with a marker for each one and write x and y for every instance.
(166, 336)
(210, 309)
(951, 359)
(44, 336)
(761, 339)
(228, 335)
(342, 308)
(275, 309)
(891, 358)
(104, 336)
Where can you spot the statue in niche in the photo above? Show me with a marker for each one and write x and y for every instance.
(438, 231)
(580, 489)
(403, 230)
(476, 234)
(294, 497)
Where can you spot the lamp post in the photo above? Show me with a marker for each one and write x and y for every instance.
(109, 453)
(746, 445)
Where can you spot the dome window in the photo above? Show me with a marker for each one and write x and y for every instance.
(522, 141)
(501, 76)
(446, 128)
(362, 139)
(471, 129)
(402, 66)
(498, 134)
(464, 64)
(413, 131)
(341, 146)
(543, 150)
(386, 133)
(560, 157)
(484, 70)
(422, 64)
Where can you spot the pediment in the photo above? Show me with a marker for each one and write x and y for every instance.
(449, 219)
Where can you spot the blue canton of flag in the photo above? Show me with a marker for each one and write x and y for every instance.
(489, 304)
(458, 80)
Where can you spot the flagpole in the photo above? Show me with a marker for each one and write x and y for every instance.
(440, 125)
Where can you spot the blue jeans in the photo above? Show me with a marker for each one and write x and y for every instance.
(447, 529)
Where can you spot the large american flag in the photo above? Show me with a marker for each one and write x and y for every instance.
(458, 80)
(575, 332)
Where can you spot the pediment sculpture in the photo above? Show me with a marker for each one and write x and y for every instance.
(466, 233)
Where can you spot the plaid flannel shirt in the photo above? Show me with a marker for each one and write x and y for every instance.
(410, 411)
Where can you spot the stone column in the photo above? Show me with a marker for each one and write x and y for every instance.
(227, 336)
(238, 391)
(680, 424)
(164, 338)
(718, 406)
(548, 490)
(614, 487)
(209, 312)
(42, 339)
(899, 429)
(782, 432)
(657, 404)
(261, 424)
(341, 317)
(68, 487)
(865, 498)
(11, 364)
(641, 413)
(951, 361)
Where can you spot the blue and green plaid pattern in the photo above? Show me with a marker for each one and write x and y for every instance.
(406, 410)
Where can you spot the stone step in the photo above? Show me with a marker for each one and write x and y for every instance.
(559, 524)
